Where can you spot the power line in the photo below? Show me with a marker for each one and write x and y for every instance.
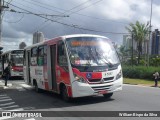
(6, 5)
(43, 25)
(86, 7)
(41, 6)
(28, 7)
(66, 23)
(77, 6)
(15, 21)
(66, 11)
(77, 10)
(103, 19)
(93, 17)
(40, 14)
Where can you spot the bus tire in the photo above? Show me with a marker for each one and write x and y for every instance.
(64, 94)
(36, 88)
(108, 95)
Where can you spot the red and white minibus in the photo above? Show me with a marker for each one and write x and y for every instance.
(74, 66)
(15, 59)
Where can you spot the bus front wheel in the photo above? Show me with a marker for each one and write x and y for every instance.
(108, 95)
(64, 94)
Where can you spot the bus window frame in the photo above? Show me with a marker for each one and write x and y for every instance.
(64, 55)
(34, 57)
(24, 57)
(41, 58)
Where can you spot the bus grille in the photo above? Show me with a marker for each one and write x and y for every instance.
(99, 88)
(106, 80)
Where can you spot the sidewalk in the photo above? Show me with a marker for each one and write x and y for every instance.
(2, 84)
(14, 84)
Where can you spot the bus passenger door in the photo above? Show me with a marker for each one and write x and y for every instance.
(53, 67)
(28, 66)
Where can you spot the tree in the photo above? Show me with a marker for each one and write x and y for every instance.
(22, 45)
(122, 53)
(140, 32)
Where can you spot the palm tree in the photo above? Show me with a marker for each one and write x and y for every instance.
(122, 53)
(140, 32)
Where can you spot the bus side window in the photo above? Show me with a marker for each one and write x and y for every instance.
(42, 55)
(62, 59)
(24, 57)
(34, 56)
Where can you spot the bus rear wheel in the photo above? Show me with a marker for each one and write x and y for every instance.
(36, 88)
(64, 94)
(109, 95)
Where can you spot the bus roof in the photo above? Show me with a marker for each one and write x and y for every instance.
(82, 35)
(9, 51)
(63, 38)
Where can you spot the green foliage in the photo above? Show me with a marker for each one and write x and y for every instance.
(155, 61)
(139, 32)
(142, 62)
(141, 72)
(129, 62)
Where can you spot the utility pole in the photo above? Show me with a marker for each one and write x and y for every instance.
(150, 25)
(132, 49)
(2, 7)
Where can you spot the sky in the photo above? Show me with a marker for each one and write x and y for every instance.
(101, 17)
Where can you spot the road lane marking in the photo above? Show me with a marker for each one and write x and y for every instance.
(9, 105)
(5, 100)
(12, 106)
(18, 109)
(4, 97)
(5, 104)
(30, 119)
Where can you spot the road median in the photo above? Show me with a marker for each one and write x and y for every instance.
(141, 82)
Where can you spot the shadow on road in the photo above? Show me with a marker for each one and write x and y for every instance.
(30, 100)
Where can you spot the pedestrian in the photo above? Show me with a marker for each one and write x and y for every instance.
(7, 74)
(156, 77)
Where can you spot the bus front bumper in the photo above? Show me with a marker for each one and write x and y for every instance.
(84, 89)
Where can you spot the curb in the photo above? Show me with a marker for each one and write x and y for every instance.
(139, 85)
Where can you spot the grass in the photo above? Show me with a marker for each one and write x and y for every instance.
(138, 82)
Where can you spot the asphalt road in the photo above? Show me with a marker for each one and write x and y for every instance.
(19, 96)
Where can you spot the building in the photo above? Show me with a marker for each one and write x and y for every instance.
(127, 42)
(155, 42)
(38, 37)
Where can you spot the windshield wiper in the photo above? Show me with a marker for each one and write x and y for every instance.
(108, 62)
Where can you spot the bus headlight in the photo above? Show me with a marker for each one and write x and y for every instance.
(119, 75)
(79, 79)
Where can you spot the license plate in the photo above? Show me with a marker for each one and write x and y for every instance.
(102, 92)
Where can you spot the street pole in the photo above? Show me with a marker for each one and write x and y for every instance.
(1, 10)
(1, 22)
(132, 49)
(150, 22)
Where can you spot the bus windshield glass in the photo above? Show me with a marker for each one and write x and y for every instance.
(93, 51)
(17, 59)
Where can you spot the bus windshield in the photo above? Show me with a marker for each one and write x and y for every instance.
(93, 51)
(17, 59)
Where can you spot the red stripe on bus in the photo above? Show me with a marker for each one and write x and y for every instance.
(69, 89)
(46, 85)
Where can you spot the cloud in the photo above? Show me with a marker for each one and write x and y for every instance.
(105, 16)
(116, 9)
